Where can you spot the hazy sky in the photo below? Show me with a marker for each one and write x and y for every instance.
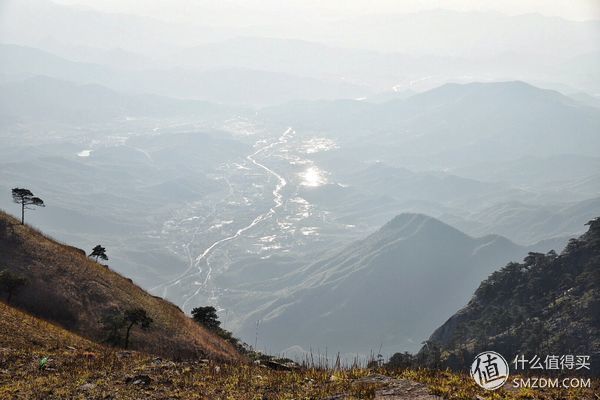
(222, 9)
(382, 25)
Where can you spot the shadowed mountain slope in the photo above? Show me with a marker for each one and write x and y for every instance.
(389, 288)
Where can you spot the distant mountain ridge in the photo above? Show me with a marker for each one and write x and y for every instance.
(530, 223)
(42, 98)
(227, 85)
(455, 125)
(386, 289)
(541, 47)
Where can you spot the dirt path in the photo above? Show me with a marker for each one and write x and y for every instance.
(394, 389)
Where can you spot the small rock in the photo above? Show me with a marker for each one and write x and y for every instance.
(169, 364)
(140, 379)
(124, 354)
(87, 386)
(277, 366)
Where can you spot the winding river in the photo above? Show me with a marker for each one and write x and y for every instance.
(195, 267)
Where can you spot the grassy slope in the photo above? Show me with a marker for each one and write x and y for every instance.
(66, 287)
(81, 369)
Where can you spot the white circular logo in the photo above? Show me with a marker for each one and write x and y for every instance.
(490, 370)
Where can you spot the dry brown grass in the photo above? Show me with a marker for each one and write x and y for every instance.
(66, 287)
(80, 369)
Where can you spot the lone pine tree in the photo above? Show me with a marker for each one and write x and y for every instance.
(99, 252)
(25, 198)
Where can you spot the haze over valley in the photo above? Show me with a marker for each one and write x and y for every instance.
(301, 185)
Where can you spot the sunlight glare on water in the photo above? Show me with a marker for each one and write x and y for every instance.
(313, 177)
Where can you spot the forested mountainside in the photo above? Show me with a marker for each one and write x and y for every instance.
(548, 304)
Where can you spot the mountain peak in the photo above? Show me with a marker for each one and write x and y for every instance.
(409, 224)
(492, 88)
(393, 265)
(400, 221)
